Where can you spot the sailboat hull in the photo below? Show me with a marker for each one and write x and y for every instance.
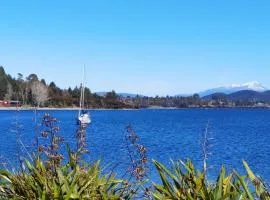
(84, 119)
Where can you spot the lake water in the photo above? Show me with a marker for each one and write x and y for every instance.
(167, 134)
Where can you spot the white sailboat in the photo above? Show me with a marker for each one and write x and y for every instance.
(83, 115)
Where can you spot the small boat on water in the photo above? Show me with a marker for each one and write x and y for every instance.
(84, 117)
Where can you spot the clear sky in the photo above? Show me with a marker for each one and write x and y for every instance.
(141, 46)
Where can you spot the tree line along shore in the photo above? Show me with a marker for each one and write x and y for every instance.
(31, 91)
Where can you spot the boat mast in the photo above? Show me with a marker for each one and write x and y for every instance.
(81, 96)
(83, 87)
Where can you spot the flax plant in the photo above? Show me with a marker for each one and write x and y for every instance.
(48, 178)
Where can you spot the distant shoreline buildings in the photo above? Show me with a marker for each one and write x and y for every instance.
(7, 103)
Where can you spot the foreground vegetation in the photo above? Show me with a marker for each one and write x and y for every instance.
(49, 176)
(71, 181)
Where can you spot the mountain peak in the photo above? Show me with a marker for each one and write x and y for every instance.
(254, 85)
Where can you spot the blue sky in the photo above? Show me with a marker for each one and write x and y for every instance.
(147, 47)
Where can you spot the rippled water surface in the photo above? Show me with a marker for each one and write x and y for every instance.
(167, 134)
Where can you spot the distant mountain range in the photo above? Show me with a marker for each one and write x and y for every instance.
(120, 94)
(251, 91)
(253, 86)
(243, 95)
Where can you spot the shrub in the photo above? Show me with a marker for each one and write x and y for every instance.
(185, 182)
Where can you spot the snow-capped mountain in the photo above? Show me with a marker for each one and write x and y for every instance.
(254, 85)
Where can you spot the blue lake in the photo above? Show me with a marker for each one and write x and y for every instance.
(167, 134)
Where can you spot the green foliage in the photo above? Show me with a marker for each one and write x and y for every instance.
(3, 83)
(75, 182)
(70, 182)
(185, 182)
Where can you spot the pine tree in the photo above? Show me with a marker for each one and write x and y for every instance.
(3, 83)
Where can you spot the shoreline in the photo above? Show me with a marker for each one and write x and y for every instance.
(100, 109)
(65, 108)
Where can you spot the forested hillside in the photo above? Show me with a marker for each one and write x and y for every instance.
(32, 91)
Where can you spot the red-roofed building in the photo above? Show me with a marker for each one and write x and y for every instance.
(6, 103)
